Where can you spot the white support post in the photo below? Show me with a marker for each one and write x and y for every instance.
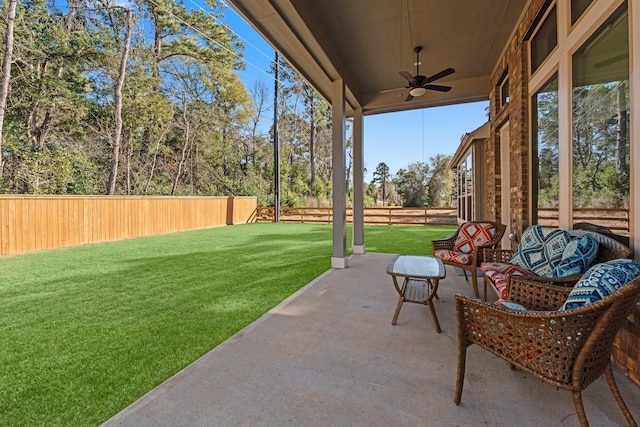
(339, 258)
(358, 184)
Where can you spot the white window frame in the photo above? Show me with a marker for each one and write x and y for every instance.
(570, 39)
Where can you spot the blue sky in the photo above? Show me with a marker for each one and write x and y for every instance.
(394, 138)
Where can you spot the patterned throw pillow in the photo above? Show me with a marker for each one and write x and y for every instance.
(473, 235)
(540, 249)
(600, 281)
(578, 256)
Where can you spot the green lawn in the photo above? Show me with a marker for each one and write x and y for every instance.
(86, 331)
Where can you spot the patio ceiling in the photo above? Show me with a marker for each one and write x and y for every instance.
(367, 42)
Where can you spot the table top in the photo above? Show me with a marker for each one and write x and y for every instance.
(421, 267)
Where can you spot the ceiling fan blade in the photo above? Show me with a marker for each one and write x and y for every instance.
(440, 75)
(393, 90)
(408, 98)
(438, 88)
(409, 77)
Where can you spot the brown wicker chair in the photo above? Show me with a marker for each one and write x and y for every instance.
(475, 259)
(568, 349)
(608, 250)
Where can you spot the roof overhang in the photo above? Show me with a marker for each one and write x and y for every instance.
(367, 42)
(479, 135)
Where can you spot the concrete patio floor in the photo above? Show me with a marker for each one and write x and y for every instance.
(329, 356)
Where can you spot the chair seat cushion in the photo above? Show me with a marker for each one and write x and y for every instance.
(578, 256)
(472, 235)
(498, 272)
(453, 256)
(540, 249)
(600, 281)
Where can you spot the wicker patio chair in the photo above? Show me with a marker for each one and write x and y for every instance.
(608, 249)
(468, 259)
(568, 349)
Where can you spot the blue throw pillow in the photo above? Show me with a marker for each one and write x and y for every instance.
(600, 281)
(578, 256)
(540, 249)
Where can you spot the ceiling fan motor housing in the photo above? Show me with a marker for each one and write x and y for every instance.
(419, 84)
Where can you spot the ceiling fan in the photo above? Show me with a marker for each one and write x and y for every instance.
(419, 84)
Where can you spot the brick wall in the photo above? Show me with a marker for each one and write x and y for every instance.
(516, 113)
(626, 348)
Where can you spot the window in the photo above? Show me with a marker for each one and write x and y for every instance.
(503, 89)
(577, 9)
(594, 133)
(469, 189)
(544, 40)
(465, 189)
(600, 123)
(545, 145)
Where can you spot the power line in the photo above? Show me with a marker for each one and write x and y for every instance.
(422, 111)
(247, 42)
(235, 12)
(216, 42)
(207, 37)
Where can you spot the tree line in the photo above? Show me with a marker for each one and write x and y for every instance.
(144, 98)
(600, 146)
(430, 184)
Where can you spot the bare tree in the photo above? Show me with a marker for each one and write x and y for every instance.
(6, 70)
(159, 139)
(259, 93)
(621, 135)
(183, 154)
(117, 98)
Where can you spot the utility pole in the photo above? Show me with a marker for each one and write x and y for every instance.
(276, 148)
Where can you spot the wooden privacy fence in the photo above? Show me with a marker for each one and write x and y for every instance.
(30, 223)
(372, 216)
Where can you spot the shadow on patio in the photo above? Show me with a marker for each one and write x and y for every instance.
(330, 356)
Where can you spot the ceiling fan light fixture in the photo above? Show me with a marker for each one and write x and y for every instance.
(417, 91)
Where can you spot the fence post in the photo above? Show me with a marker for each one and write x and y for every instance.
(626, 220)
(230, 208)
